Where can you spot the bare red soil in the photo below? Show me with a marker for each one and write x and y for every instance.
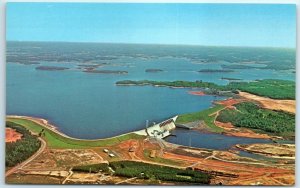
(238, 173)
(200, 93)
(11, 135)
(229, 102)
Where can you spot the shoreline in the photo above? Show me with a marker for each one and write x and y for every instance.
(44, 123)
(172, 87)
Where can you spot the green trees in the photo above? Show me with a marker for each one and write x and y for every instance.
(250, 115)
(196, 84)
(21, 150)
(150, 171)
(276, 89)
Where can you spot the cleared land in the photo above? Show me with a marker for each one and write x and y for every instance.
(11, 135)
(283, 151)
(272, 104)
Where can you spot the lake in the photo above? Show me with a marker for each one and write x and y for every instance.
(90, 105)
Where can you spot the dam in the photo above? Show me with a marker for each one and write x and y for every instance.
(159, 130)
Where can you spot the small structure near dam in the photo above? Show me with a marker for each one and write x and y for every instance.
(161, 130)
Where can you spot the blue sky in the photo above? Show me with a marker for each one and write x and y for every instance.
(195, 24)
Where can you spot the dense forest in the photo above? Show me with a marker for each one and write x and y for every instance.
(250, 115)
(150, 171)
(17, 152)
(276, 89)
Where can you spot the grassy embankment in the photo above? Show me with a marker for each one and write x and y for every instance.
(275, 89)
(148, 171)
(55, 140)
(208, 116)
(250, 115)
(19, 151)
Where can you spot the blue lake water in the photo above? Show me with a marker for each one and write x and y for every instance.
(87, 105)
(209, 140)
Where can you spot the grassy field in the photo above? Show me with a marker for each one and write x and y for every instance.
(204, 115)
(55, 140)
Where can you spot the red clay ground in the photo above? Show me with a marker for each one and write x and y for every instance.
(11, 135)
(247, 174)
(231, 129)
(229, 102)
(272, 104)
(200, 93)
(240, 132)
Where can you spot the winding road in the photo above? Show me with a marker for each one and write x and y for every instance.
(21, 165)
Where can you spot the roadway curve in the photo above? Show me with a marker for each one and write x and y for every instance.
(21, 165)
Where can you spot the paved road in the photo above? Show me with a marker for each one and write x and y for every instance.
(21, 165)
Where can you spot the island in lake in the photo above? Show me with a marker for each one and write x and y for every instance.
(215, 70)
(153, 70)
(105, 71)
(51, 68)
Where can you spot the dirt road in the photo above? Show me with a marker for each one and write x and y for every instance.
(21, 165)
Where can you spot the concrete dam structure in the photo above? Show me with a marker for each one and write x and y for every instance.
(162, 130)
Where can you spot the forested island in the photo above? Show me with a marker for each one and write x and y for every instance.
(230, 79)
(216, 70)
(51, 68)
(272, 88)
(153, 70)
(106, 71)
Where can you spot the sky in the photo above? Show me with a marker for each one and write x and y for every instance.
(272, 25)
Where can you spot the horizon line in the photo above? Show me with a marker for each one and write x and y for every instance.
(162, 44)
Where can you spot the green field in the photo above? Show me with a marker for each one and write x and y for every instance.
(276, 89)
(204, 115)
(55, 140)
(250, 115)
